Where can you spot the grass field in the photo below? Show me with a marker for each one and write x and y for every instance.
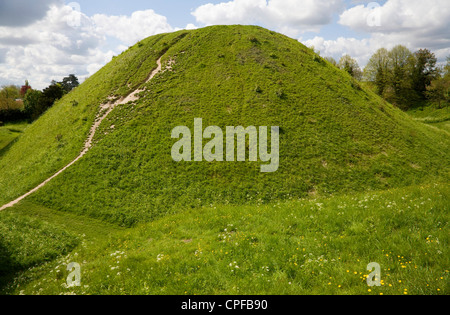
(359, 180)
(335, 136)
(317, 246)
(432, 116)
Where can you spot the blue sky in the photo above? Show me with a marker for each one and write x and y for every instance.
(181, 15)
(44, 40)
(178, 17)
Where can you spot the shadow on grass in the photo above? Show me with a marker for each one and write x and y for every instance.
(4, 150)
(8, 267)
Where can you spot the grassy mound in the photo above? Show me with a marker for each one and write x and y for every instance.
(320, 246)
(335, 136)
(57, 137)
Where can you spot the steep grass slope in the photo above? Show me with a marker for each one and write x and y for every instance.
(58, 136)
(335, 136)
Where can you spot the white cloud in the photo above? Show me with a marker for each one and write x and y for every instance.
(67, 41)
(190, 26)
(58, 40)
(48, 49)
(233, 12)
(288, 16)
(400, 16)
(303, 13)
(360, 49)
(413, 23)
(131, 29)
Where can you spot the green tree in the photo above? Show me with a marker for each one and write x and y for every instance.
(51, 94)
(377, 70)
(447, 69)
(36, 102)
(400, 76)
(8, 96)
(10, 107)
(70, 82)
(10, 92)
(31, 104)
(439, 89)
(400, 64)
(424, 71)
(350, 65)
(331, 60)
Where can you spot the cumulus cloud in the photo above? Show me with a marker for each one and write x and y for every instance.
(190, 26)
(233, 12)
(398, 16)
(131, 29)
(50, 48)
(55, 40)
(67, 41)
(360, 49)
(413, 23)
(304, 12)
(287, 16)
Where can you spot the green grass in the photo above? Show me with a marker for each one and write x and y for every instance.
(432, 116)
(355, 183)
(57, 137)
(33, 235)
(336, 136)
(26, 242)
(318, 246)
(10, 132)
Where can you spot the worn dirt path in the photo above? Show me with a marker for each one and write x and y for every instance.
(88, 144)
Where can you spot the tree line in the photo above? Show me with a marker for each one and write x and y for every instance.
(401, 77)
(25, 103)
